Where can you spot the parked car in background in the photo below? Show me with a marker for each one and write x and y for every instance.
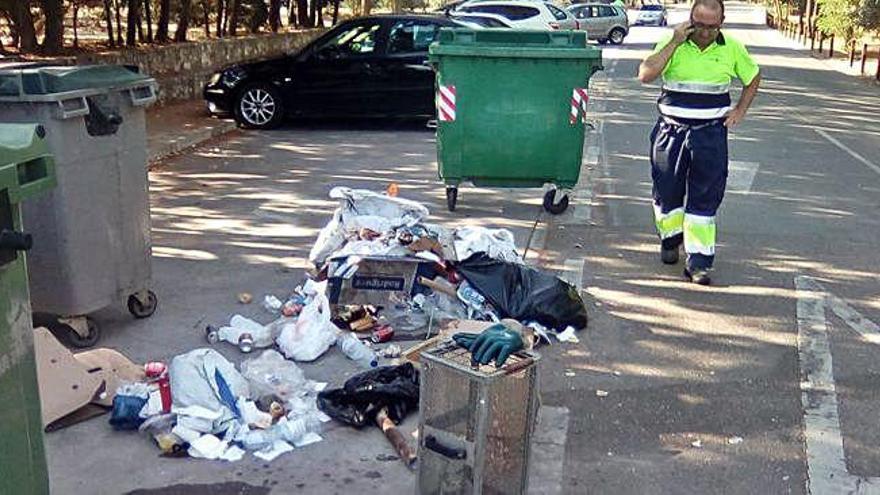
(602, 22)
(365, 67)
(522, 14)
(651, 15)
(480, 21)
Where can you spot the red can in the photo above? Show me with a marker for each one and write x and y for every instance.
(155, 369)
(382, 333)
(165, 393)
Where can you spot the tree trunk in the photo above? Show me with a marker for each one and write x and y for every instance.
(108, 19)
(368, 7)
(274, 15)
(233, 17)
(24, 26)
(140, 24)
(291, 13)
(148, 16)
(183, 21)
(302, 13)
(313, 13)
(206, 13)
(119, 37)
(131, 22)
(164, 19)
(53, 10)
(221, 13)
(335, 11)
(75, 25)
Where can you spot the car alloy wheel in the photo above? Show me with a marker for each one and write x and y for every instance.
(257, 106)
(616, 36)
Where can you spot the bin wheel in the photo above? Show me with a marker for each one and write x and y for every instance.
(140, 309)
(557, 208)
(80, 342)
(451, 197)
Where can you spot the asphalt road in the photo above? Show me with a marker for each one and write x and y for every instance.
(704, 385)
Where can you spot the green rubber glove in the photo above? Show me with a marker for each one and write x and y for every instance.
(496, 342)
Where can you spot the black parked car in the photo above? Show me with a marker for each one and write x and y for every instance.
(371, 66)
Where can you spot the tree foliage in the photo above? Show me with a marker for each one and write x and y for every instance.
(51, 26)
(840, 18)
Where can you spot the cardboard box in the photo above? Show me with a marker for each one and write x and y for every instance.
(376, 280)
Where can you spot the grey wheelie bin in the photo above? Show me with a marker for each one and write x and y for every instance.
(95, 226)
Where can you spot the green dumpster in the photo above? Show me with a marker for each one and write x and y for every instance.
(511, 108)
(26, 168)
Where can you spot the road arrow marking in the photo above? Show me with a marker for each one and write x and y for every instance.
(826, 464)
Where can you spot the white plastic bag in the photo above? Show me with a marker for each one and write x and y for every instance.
(312, 334)
(497, 243)
(194, 382)
(360, 208)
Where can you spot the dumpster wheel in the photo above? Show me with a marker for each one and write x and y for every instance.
(451, 197)
(80, 341)
(143, 304)
(555, 208)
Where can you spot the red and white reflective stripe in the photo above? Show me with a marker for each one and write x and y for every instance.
(579, 100)
(446, 103)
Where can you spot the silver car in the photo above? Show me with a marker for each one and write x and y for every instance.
(602, 22)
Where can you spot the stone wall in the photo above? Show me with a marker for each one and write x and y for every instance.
(182, 69)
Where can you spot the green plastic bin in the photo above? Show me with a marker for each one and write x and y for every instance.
(26, 168)
(511, 108)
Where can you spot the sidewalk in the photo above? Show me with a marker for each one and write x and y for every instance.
(177, 126)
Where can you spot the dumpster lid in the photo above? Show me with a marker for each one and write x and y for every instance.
(514, 43)
(39, 82)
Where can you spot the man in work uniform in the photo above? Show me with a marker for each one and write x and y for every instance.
(689, 142)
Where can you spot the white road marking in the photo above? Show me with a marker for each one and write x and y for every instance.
(826, 464)
(547, 459)
(740, 176)
(852, 153)
(574, 272)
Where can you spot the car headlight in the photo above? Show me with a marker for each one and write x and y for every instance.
(215, 79)
(232, 76)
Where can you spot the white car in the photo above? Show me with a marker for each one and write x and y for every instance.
(480, 21)
(523, 14)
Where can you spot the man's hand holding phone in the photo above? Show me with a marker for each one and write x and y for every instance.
(681, 32)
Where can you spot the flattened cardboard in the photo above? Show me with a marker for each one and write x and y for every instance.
(74, 388)
(113, 367)
(65, 384)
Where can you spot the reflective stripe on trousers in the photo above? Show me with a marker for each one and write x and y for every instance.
(689, 172)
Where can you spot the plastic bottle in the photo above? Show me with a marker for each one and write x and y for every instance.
(355, 350)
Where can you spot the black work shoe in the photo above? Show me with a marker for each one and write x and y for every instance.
(698, 276)
(669, 256)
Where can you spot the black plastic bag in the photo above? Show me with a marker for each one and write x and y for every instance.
(367, 393)
(523, 293)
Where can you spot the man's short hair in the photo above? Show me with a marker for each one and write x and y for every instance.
(710, 4)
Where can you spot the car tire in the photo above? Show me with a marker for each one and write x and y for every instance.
(602, 41)
(259, 106)
(616, 36)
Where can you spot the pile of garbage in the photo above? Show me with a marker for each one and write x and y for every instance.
(382, 276)
(202, 406)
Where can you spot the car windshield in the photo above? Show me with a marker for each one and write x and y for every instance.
(652, 7)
